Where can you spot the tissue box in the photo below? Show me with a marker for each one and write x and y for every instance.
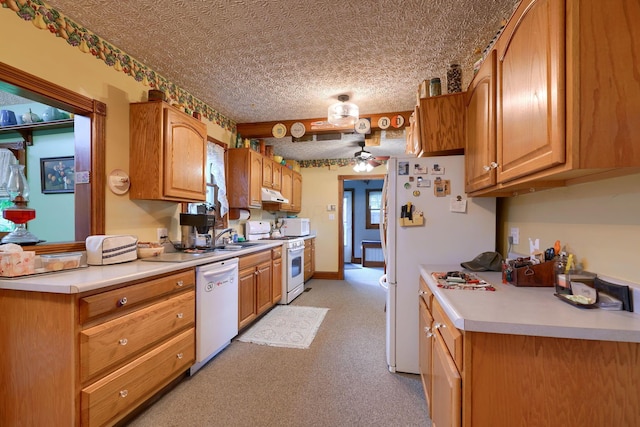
(14, 264)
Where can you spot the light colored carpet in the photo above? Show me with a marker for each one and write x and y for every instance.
(342, 379)
(286, 326)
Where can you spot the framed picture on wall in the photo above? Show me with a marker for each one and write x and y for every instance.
(57, 174)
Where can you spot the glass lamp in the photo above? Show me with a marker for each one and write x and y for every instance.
(343, 113)
(19, 213)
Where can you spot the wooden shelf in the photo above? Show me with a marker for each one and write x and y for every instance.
(26, 130)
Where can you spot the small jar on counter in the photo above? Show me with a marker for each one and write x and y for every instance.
(435, 89)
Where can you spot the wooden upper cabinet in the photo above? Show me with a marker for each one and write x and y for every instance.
(296, 193)
(441, 125)
(271, 174)
(530, 107)
(480, 128)
(244, 180)
(287, 188)
(167, 153)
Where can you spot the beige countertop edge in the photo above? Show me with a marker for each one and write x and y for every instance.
(96, 277)
(528, 311)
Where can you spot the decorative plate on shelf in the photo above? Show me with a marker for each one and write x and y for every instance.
(297, 129)
(279, 130)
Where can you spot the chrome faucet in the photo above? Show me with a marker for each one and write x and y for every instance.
(226, 230)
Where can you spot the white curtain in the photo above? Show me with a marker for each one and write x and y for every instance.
(215, 161)
(6, 158)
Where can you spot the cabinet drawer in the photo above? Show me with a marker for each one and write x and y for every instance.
(451, 336)
(120, 300)
(111, 343)
(276, 253)
(254, 259)
(426, 294)
(114, 396)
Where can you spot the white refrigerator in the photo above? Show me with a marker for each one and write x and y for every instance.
(455, 228)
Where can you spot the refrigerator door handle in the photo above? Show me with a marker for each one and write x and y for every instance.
(382, 281)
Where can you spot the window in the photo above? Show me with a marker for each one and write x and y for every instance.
(374, 205)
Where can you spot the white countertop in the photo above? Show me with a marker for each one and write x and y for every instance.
(96, 277)
(528, 311)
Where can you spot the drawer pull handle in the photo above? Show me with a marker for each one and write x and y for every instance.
(122, 301)
(180, 315)
(180, 355)
(124, 393)
(123, 341)
(179, 283)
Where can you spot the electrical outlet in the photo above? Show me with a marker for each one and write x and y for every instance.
(515, 235)
(161, 234)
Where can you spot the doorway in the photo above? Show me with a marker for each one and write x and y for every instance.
(351, 255)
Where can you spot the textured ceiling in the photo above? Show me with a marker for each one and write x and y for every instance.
(261, 60)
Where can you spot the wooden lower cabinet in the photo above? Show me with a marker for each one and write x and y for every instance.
(276, 274)
(92, 358)
(505, 380)
(255, 286)
(309, 258)
(425, 347)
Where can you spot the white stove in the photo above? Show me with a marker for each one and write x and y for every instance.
(292, 258)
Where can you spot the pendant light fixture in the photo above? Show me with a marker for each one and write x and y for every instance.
(343, 113)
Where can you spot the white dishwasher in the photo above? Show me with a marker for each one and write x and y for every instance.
(216, 309)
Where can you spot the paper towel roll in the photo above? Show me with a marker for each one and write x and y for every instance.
(244, 215)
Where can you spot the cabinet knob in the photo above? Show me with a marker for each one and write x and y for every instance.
(179, 283)
(427, 332)
(123, 341)
(122, 301)
(438, 325)
(179, 315)
(421, 293)
(124, 393)
(179, 355)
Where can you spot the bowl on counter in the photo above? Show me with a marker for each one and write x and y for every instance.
(57, 262)
(149, 249)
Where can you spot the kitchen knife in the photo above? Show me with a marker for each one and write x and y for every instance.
(403, 211)
(410, 211)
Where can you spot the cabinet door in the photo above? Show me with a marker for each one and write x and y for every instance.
(246, 296)
(277, 176)
(296, 192)
(307, 261)
(480, 128)
(313, 256)
(255, 178)
(263, 287)
(425, 351)
(276, 280)
(267, 173)
(287, 188)
(446, 388)
(531, 91)
(441, 124)
(184, 156)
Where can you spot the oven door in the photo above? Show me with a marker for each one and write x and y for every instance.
(295, 268)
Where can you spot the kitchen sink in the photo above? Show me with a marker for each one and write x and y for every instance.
(235, 246)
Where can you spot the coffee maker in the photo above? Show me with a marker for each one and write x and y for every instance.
(195, 230)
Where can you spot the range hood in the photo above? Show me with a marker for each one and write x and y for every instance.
(269, 195)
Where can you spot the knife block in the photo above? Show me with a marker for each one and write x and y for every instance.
(415, 221)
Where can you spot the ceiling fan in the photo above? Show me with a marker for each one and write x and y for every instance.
(365, 161)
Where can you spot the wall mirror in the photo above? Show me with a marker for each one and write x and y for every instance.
(89, 146)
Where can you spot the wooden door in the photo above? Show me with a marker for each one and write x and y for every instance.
(287, 188)
(184, 156)
(263, 287)
(276, 280)
(480, 128)
(531, 91)
(247, 296)
(255, 179)
(425, 352)
(267, 173)
(296, 192)
(446, 386)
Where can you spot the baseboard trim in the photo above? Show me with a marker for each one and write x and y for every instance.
(326, 275)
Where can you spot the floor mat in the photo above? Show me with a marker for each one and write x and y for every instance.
(286, 326)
